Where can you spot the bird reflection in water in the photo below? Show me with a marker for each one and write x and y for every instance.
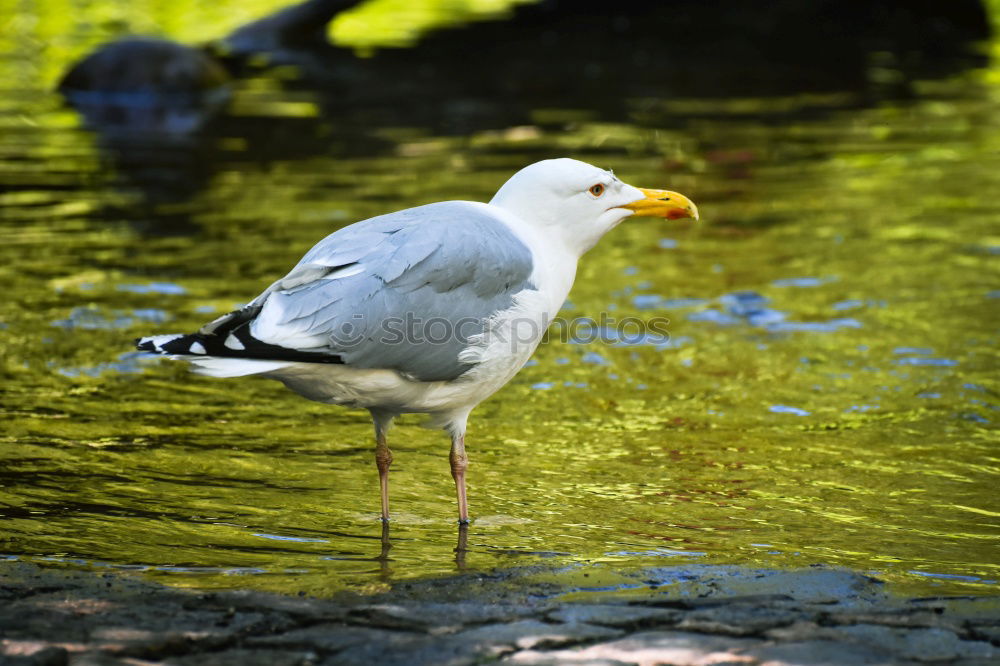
(158, 106)
(385, 545)
(151, 85)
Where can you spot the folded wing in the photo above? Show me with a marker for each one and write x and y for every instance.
(404, 291)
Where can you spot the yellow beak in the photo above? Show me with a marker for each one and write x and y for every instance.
(663, 203)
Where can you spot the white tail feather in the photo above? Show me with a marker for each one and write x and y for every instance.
(215, 366)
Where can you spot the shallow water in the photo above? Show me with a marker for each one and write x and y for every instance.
(827, 392)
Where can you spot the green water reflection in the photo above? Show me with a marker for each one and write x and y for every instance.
(829, 393)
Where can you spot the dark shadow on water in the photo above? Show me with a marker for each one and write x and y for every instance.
(596, 56)
(168, 135)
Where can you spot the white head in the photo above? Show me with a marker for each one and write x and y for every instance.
(578, 203)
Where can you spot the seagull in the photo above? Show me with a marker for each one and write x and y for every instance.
(426, 310)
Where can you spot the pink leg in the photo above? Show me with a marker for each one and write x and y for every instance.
(383, 458)
(459, 463)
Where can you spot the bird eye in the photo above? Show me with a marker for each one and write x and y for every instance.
(597, 190)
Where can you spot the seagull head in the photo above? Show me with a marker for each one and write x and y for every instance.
(577, 203)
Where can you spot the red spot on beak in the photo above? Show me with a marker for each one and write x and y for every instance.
(677, 213)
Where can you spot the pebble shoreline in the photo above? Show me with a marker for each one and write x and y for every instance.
(697, 616)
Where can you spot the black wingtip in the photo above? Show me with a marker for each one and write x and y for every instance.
(213, 345)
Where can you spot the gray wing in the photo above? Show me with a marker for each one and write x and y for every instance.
(404, 291)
